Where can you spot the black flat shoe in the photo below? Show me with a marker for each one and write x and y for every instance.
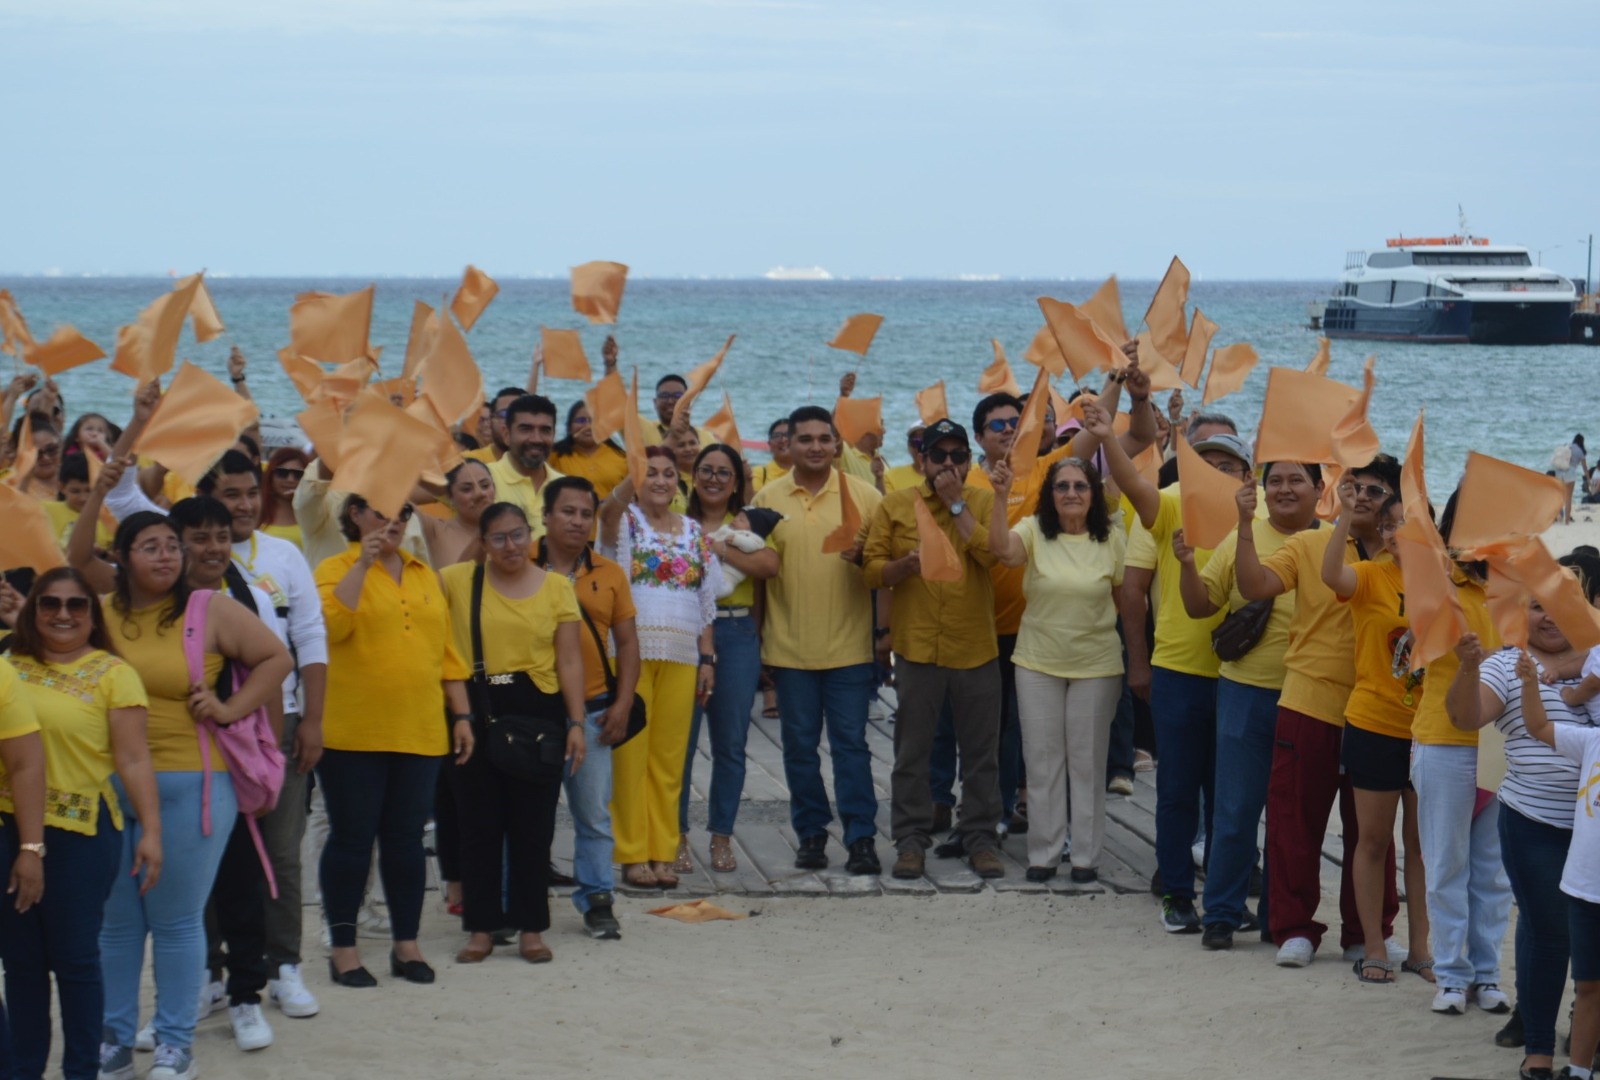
(356, 977)
(1083, 875)
(1040, 873)
(412, 971)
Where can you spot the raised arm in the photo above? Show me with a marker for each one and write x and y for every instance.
(102, 575)
(1337, 574)
(1534, 717)
(236, 370)
(1470, 704)
(1005, 545)
(612, 507)
(1141, 493)
(1196, 597)
(1255, 581)
(1135, 591)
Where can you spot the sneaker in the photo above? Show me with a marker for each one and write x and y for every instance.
(1450, 1001)
(116, 1062)
(863, 858)
(1248, 923)
(986, 864)
(1158, 887)
(173, 1063)
(1217, 936)
(145, 1041)
(1197, 852)
(1297, 952)
(813, 853)
(600, 921)
(250, 1028)
(375, 924)
(1178, 916)
(1511, 1035)
(1489, 997)
(288, 992)
(212, 995)
(1120, 785)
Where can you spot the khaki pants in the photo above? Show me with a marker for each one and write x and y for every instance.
(1066, 729)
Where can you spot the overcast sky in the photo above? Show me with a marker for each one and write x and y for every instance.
(723, 137)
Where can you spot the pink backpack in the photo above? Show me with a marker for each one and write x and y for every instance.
(249, 748)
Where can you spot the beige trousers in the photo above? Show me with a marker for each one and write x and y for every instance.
(1066, 731)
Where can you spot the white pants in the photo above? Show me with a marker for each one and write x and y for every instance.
(1066, 731)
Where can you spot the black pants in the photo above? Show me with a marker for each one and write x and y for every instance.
(501, 817)
(447, 822)
(236, 918)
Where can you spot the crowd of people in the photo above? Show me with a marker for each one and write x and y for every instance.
(550, 620)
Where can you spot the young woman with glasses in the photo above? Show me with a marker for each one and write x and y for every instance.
(285, 469)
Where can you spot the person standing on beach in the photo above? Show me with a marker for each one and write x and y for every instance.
(818, 642)
(525, 469)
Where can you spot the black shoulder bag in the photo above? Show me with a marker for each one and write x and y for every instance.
(636, 712)
(516, 727)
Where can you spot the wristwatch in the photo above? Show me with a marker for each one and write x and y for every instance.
(708, 658)
(457, 717)
(37, 849)
(958, 508)
(571, 723)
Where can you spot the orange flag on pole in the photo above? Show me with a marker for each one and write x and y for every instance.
(608, 406)
(323, 423)
(1319, 362)
(1210, 513)
(997, 377)
(939, 559)
(305, 373)
(1163, 375)
(857, 333)
(1437, 621)
(1354, 441)
(633, 436)
(1104, 309)
(343, 383)
(597, 290)
(1201, 330)
(1085, 348)
(146, 349)
(856, 417)
(1165, 317)
(203, 315)
(563, 355)
(722, 426)
(1043, 352)
(698, 380)
(1521, 568)
(197, 420)
(1230, 366)
(420, 340)
(331, 328)
(1030, 428)
(14, 333)
(63, 350)
(474, 293)
(28, 539)
(844, 537)
(1498, 500)
(931, 403)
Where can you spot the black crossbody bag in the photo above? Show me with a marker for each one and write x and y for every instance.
(516, 728)
(636, 712)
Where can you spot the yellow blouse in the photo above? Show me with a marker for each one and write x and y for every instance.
(156, 653)
(605, 468)
(518, 634)
(16, 719)
(290, 533)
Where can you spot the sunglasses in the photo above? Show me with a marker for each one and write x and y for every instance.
(75, 605)
(1371, 491)
(284, 473)
(668, 397)
(1061, 487)
(997, 426)
(958, 457)
(49, 451)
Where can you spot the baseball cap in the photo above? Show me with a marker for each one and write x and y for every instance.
(945, 429)
(1231, 445)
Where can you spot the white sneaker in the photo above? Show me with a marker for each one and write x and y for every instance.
(173, 1063)
(212, 994)
(288, 992)
(1450, 1000)
(1397, 952)
(250, 1028)
(1197, 852)
(146, 1039)
(373, 923)
(1297, 952)
(1490, 998)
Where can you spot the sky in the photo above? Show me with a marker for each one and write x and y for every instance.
(724, 137)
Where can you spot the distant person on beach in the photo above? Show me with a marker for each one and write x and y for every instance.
(1574, 469)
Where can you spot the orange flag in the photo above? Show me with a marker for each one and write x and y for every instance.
(1085, 348)
(939, 559)
(1229, 368)
(931, 403)
(857, 333)
(633, 435)
(1059, 407)
(420, 340)
(1043, 352)
(1104, 309)
(472, 296)
(722, 426)
(1030, 429)
(997, 377)
(608, 406)
(203, 315)
(1299, 415)
(450, 377)
(1354, 441)
(398, 387)
(14, 333)
(697, 381)
(597, 290)
(1210, 513)
(1319, 362)
(1525, 568)
(343, 383)
(563, 355)
(1148, 464)
(305, 373)
(147, 348)
(27, 540)
(197, 420)
(323, 424)
(65, 349)
(383, 453)
(1163, 376)
(1328, 506)
(844, 537)
(856, 417)
(1500, 500)
(1201, 330)
(331, 328)
(1437, 621)
(1165, 317)
(1507, 601)
(27, 455)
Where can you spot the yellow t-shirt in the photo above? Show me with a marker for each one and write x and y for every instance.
(1378, 611)
(16, 719)
(387, 659)
(819, 611)
(156, 653)
(1431, 726)
(518, 635)
(511, 486)
(605, 468)
(73, 703)
(1319, 669)
(901, 476)
(486, 454)
(1262, 666)
(764, 474)
(1069, 628)
(1182, 644)
(63, 518)
(290, 533)
(175, 488)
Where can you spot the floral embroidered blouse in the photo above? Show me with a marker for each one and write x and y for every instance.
(674, 580)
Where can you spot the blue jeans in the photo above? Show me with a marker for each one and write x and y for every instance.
(1469, 896)
(1535, 854)
(1247, 722)
(1184, 708)
(837, 697)
(59, 936)
(172, 914)
(943, 762)
(728, 713)
(589, 800)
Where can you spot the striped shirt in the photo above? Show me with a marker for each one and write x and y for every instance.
(1540, 783)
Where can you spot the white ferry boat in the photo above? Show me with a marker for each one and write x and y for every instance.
(1450, 289)
(797, 273)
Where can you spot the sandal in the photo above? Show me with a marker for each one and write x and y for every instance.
(1361, 966)
(722, 860)
(1143, 762)
(1423, 968)
(640, 876)
(769, 704)
(665, 878)
(684, 863)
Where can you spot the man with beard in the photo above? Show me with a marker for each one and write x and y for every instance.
(520, 476)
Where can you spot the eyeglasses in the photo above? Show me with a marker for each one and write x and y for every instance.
(156, 548)
(1388, 528)
(664, 396)
(777, 438)
(578, 421)
(1371, 491)
(49, 451)
(514, 538)
(75, 605)
(997, 426)
(501, 414)
(1230, 469)
(958, 457)
(283, 473)
(707, 472)
(1062, 487)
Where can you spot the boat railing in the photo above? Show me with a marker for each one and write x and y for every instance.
(1355, 260)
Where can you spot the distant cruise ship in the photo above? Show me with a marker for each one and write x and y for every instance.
(1443, 289)
(797, 273)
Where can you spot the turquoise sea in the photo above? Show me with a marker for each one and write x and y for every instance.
(1517, 403)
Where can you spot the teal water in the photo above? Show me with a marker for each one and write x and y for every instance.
(1517, 403)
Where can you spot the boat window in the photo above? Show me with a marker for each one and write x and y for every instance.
(1407, 291)
(1385, 260)
(1374, 292)
(1471, 258)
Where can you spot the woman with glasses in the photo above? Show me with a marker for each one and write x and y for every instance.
(1377, 736)
(44, 478)
(393, 673)
(532, 666)
(719, 493)
(285, 469)
(674, 578)
(603, 464)
(1068, 656)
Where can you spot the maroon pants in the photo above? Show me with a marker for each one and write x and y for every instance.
(1305, 780)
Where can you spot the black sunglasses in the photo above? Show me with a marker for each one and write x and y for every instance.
(284, 473)
(75, 605)
(959, 457)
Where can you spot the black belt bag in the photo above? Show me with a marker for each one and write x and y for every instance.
(521, 729)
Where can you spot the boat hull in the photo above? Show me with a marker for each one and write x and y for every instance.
(1452, 322)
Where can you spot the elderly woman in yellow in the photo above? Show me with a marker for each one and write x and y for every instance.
(391, 671)
(90, 706)
(521, 624)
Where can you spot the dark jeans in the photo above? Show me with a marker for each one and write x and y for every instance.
(1185, 712)
(58, 936)
(836, 698)
(236, 916)
(1247, 723)
(1119, 752)
(447, 821)
(944, 762)
(506, 826)
(383, 798)
(1535, 854)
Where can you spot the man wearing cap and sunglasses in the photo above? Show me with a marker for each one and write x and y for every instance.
(943, 639)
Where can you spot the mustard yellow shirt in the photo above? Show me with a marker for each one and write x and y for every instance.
(605, 468)
(606, 596)
(63, 518)
(1069, 629)
(518, 634)
(1182, 644)
(1431, 726)
(156, 653)
(1379, 702)
(655, 432)
(764, 474)
(901, 477)
(1262, 666)
(486, 454)
(387, 659)
(16, 720)
(290, 533)
(819, 611)
(1319, 665)
(511, 486)
(1009, 601)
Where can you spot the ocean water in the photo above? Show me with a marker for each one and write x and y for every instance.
(1516, 403)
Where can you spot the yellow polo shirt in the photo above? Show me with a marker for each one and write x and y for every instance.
(486, 454)
(1262, 666)
(819, 610)
(1431, 726)
(901, 477)
(655, 432)
(1182, 644)
(764, 474)
(511, 486)
(1378, 614)
(1319, 664)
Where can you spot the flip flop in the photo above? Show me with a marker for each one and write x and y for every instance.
(1423, 968)
(1360, 968)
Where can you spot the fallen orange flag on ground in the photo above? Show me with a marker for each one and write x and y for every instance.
(1195, 348)
(633, 436)
(197, 420)
(331, 328)
(147, 348)
(1319, 362)
(562, 351)
(857, 417)
(383, 453)
(844, 537)
(1500, 500)
(1043, 352)
(938, 556)
(997, 377)
(608, 402)
(1230, 366)
(1299, 415)
(28, 539)
(1354, 441)
(857, 333)
(1085, 348)
(1030, 428)
(695, 911)
(63, 350)
(1104, 309)
(474, 293)
(1166, 318)
(723, 427)
(1210, 513)
(931, 403)
(698, 380)
(1437, 621)
(597, 290)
